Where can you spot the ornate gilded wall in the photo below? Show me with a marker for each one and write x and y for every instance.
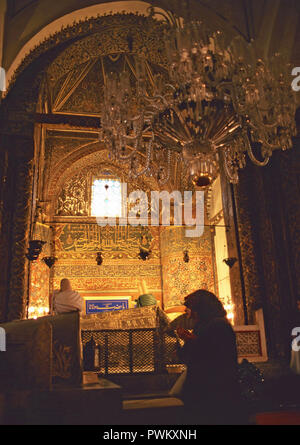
(39, 286)
(76, 246)
(71, 160)
(181, 278)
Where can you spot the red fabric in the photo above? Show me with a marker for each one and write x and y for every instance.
(278, 418)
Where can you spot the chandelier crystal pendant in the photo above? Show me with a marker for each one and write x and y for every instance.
(198, 63)
(123, 120)
(263, 98)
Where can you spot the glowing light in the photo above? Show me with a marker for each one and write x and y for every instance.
(35, 312)
(229, 308)
(106, 198)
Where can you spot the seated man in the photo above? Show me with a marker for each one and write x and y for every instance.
(66, 299)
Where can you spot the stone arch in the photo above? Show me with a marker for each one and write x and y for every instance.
(58, 26)
(71, 26)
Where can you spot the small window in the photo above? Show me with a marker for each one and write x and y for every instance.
(106, 198)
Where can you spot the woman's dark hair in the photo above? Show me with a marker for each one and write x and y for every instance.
(205, 304)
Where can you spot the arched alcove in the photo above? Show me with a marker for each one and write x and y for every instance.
(31, 122)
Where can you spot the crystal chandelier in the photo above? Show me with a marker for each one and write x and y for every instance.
(123, 119)
(197, 131)
(126, 122)
(225, 99)
(198, 64)
(217, 103)
(263, 99)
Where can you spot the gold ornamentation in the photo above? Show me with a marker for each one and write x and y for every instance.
(19, 240)
(111, 31)
(73, 199)
(217, 218)
(114, 242)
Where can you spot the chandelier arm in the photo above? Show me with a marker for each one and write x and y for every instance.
(236, 103)
(243, 109)
(253, 158)
(149, 151)
(270, 146)
(134, 138)
(138, 174)
(231, 178)
(171, 86)
(150, 115)
(264, 142)
(265, 125)
(131, 138)
(149, 128)
(155, 98)
(128, 157)
(135, 118)
(224, 83)
(133, 152)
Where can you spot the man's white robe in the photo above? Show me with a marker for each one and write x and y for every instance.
(67, 301)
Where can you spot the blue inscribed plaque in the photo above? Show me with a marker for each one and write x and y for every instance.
(96, 306)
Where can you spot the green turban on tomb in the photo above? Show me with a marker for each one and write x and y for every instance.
(146, 300)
